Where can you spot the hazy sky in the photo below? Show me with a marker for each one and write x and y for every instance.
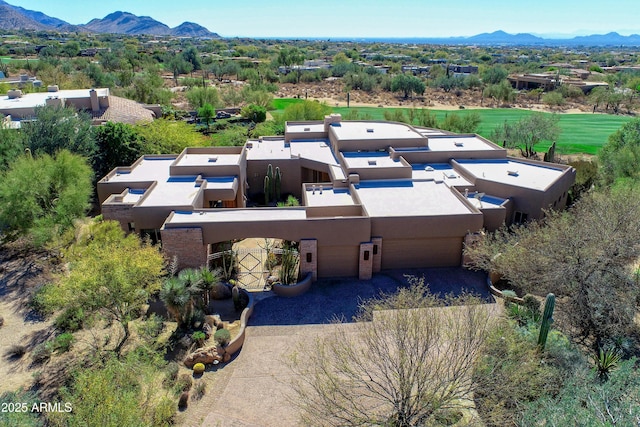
(364, 18)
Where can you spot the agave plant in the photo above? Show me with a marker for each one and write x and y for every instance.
(606, 361)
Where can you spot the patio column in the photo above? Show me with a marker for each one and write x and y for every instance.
(186, 244)
(377, 254)
(365, 264)
(309, 258)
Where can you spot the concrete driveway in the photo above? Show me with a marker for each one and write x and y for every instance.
(253, 389)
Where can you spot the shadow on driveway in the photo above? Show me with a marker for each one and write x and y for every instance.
(340, 297)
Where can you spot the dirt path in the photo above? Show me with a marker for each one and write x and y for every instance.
(19, 274)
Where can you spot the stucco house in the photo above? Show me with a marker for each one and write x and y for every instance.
(374, 195)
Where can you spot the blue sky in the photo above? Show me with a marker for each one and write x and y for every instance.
(365, 18)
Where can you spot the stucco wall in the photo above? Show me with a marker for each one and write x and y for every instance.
(414, 253)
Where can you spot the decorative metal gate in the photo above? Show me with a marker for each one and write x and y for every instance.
(249, 264)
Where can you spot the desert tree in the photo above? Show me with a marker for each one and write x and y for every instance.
(585, 254)
(407, 85)
(527, 132)
(110, 275)
(405, 361)
(620, 156)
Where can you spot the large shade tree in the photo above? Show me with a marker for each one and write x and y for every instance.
(404, 362)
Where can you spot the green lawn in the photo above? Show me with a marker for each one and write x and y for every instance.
(581, 133)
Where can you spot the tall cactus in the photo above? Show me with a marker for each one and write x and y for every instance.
(267, 190)
(547, 319)
(277, 187)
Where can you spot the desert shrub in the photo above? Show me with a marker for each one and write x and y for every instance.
(184, 383)
(152, 327)
(220, 291)
(19, 419)
(42, 352)
(511, 373)
(198, 368)
(531, 303)
(62, 343)
(199, 390)
(183, 402)
(171, 375)
(15, 351)
(70, 320)
(553, 98)
(164, 412)
(271, 261)
(222, 337)
(198, 337)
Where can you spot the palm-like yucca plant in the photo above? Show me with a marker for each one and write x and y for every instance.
(207, 279)
(177, 299)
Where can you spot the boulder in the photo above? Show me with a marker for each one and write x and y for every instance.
(204, 355)
(207, 329)
(220, 291)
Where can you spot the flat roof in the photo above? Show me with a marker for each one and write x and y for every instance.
(369, 160)
(32, 100)
(409, 198)
(268, 149)
(438, 172)
(329, 197)
(237, 215)
(209, 159)
(298, 127)
(173, 191)
(149, 169)
(318, 150)
(460, 143)
(486, 201)
(133, 196)
(514, 172)
(220, 182)
(374, 130)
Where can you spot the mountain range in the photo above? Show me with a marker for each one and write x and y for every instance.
(18, 18)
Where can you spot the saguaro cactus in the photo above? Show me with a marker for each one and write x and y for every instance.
(547, 319)
(267, 190)
(277, 185)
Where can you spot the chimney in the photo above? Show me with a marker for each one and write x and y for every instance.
(95, 104)
(53, 88)
(14, 94)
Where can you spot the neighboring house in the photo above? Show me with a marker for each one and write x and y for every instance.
(99, 103)
(375, 195)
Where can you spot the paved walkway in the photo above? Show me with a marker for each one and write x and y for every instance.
(252, 390)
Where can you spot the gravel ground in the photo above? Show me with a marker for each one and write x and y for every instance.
(339, 297)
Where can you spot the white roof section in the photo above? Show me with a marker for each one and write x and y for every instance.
(409, 198)
(268, 149)
(458, 143)
(237, 215)
(372, 159)
(133, 196)
(208, 159)
(514, 172)
(148, 169)
(174, 191)
(328, 196)
(298, 127)
(220, 182)
(37, 99)
(440, 172)
(374, 130)
(318, 150)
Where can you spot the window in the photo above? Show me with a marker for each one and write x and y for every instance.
(366, 255)
(309, 257)
(132, 226)
(520, 217)
(375, 249)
